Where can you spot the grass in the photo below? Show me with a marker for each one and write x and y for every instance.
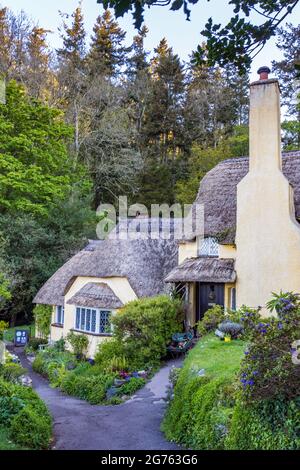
(9, 334)
(219, 359)
(5, 441)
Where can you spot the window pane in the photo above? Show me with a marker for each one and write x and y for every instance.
(88, 319)
(77, 325)
(63, 315)
(104, 322)
(58, 314)
(82, 323)
(93, 321)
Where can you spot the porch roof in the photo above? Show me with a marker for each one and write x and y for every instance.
(97, 295)
(204, 269)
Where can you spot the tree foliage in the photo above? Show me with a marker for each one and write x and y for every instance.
(236, 42)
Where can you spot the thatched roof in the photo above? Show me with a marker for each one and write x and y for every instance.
(218, 193)
(145, 263)
(203, 270)
(97, 295)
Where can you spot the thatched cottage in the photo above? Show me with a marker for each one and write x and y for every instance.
(104, 276)
(251, 219)
(251, 244)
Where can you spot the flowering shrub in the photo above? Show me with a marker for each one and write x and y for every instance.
(268, 370)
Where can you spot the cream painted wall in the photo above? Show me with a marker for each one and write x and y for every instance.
(268, 236)
(119, 285)
(187, 250)
(227, 251)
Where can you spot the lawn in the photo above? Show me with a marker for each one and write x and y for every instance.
(9, 334)
(219, 359)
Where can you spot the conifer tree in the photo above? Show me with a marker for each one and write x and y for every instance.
(107, 53)
(38, 63)
(164, 128)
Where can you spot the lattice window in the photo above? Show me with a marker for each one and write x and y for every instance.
(88, 319)
(104, 325)
(93, 320)
(209, 247)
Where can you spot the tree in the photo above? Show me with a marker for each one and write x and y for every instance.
(14, 34)
(72, 69)
(204, 159)
(39, 77)
(36, 247)
(107, 53)
(164, 129)
(217, 100)
(238, 41)
(288, 42)
(35, 169)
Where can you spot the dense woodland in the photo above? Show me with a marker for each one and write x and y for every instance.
(96, 119)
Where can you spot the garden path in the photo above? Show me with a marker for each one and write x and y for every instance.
(133, 425)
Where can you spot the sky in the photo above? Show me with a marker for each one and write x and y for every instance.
(182, 35)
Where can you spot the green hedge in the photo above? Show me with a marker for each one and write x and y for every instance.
(25, 415)
(267, 425)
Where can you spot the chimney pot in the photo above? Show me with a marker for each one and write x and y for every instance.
(263, 73)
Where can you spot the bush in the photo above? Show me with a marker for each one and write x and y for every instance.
(9, 407)
(30, 429)
(79, 343)
(230, 328)
(145, 327)
(3, 327)
(51, 363)
(34, 343)
(12, 372)
(108, 349)
(42, 317)
(6, 389)
(268, 370)
(131, 386)
(90, 388)
(267, 425)
(211, 320)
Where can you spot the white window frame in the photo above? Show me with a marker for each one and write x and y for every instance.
(97, 327)
(62, 313)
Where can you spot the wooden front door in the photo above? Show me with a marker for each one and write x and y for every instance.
(208, 295)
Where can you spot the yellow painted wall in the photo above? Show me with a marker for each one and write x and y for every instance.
(227, 251)
(119, 285)
(187, 250)
(268, 236)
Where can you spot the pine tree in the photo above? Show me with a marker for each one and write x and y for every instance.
(164, 130)
(38, 63)
(72, 71)
(74, 40)
(107, 54)
(138, 61)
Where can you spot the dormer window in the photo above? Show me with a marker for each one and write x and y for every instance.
(208, 247)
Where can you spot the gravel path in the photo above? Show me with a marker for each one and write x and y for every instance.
(133, 425)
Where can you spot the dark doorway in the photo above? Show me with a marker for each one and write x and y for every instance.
(208, 295)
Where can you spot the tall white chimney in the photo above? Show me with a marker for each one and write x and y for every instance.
(267, 234)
